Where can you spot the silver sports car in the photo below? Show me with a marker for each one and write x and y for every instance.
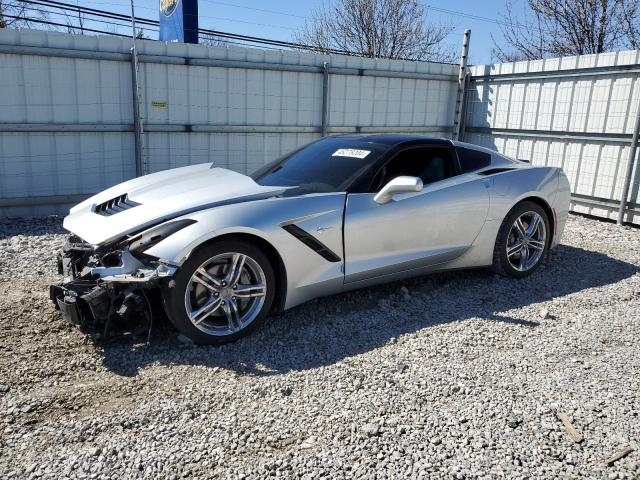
(225, 249)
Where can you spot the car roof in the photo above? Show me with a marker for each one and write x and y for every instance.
(473, 146)
(394, 139)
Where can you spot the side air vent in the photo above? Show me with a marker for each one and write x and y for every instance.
(493, 171)
(312, 242)
(115, 205)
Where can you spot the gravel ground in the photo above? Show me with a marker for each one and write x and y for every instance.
(457, 375)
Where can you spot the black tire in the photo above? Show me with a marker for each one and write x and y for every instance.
(501, 264)
(175, 291)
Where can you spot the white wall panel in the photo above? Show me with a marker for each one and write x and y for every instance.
(587, 104)
(42, 164)
(242, 152)
(62, 90)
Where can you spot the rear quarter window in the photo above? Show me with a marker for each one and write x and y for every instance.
(471, 160)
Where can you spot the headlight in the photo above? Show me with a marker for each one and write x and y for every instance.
(149, 238)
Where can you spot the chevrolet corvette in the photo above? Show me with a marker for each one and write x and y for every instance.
(221, 250)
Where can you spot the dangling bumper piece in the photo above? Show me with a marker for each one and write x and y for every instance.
(105, 287)
(82, 303)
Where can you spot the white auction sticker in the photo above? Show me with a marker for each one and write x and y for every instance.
(351, 152)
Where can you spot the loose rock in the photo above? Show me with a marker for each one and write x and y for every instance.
(371, 429)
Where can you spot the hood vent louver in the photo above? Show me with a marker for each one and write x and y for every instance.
(115, 205)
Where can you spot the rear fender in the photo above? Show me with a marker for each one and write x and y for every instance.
(511, 187)
(561, 204)
(506, 190)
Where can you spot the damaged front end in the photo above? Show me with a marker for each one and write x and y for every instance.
(107, 286)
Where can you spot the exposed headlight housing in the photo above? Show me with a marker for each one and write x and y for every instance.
(155, 235)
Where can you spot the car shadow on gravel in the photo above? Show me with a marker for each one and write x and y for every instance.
(325, 331)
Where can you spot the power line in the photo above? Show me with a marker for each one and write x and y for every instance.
(88, 11)
(70, 14)
(97, 20)
(116, 15)
(222, 36)
(458, 13)
(429, 6)
(213, 17)
(47, 22)
(255, 9)
(448, 11)
(246, 22)
(216, 33)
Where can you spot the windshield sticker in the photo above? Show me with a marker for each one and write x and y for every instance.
(351, 152)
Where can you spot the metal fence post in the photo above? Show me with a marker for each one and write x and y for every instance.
(137, 124)
(629, 172)
(465, 107)
(325, 97)
(457, 119)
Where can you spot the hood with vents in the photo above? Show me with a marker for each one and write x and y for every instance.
(142, 202)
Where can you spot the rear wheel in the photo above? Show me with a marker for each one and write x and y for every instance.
(221, 293)
(523, 240)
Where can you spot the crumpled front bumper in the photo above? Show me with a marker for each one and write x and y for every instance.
(94, 297)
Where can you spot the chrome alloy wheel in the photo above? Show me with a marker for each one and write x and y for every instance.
(526, 242)
(225, 294)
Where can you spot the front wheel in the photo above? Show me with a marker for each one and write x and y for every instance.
(522, 242)
(221, 293)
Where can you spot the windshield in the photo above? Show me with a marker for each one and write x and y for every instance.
(328, 165)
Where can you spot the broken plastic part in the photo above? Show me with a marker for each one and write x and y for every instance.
(128, 264)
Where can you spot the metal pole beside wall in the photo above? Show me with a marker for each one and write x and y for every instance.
(325, 97)
(630, 164)
(465, 108)
(137, 123)
(457, 119)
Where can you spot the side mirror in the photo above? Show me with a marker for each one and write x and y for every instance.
(398, 185)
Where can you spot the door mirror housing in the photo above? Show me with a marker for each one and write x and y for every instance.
(398, 185)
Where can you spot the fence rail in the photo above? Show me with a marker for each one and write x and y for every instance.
(208, 128)
(210, 62)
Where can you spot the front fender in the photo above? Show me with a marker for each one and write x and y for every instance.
(308, 273)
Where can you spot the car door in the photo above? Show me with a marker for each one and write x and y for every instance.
(414, 230)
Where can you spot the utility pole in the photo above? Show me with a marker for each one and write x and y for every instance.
(137, 123)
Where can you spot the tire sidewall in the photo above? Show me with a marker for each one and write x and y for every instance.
(503, 236)
(174, 291)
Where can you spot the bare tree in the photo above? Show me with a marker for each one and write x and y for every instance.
(20, 14)
(141, 35)
(378, 29)
(548, 28)
(630, 23)
(75, 23)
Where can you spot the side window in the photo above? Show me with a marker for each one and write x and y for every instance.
(471, 160)
(431, 164)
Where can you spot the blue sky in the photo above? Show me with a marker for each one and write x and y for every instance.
(279, 19)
